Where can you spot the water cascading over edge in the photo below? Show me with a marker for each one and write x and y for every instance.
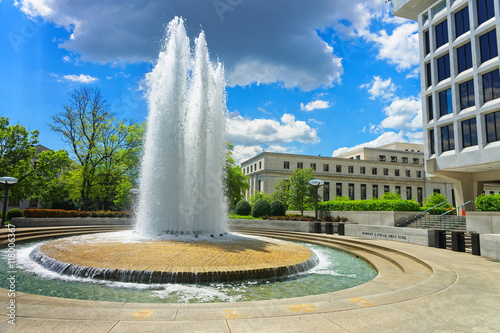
(182, 169)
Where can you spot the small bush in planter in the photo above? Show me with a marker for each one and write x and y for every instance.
(14, 212)
(243, 208)
(261, 207)
(278, 208)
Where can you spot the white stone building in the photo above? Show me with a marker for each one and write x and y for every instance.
(360, 174)
(460, 83)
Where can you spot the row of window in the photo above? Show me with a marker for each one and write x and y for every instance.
(488, 47)
(252, 168)
(394, 159)
(469, 133)
(485, 11)
(491, 91)
(363, 191)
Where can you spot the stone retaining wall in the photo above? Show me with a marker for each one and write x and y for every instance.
(24, 222)
(483, 222)
(423, 237)
(389, 219)
(490, 246)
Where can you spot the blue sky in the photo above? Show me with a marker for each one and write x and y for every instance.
(307, 77)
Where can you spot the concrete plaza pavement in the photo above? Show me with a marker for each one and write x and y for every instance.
(418, 289)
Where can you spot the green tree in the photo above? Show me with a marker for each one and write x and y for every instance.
(435, 199)
(17, 155)
(282, 192)
(106, 151)
(236, 182)
(257, 196)
(301, 193)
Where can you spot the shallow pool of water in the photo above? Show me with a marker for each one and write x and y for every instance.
(337, 270)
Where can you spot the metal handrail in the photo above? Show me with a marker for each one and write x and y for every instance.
(448, 220)
(425, 211)
(424, 214)
(451, 210)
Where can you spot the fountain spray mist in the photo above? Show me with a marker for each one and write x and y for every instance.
(181, 189)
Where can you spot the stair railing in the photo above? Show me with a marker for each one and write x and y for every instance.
(448, 219)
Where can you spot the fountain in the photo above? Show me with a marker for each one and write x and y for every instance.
(180, 232)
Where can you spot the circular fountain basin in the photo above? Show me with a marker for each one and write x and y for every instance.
(185, 260)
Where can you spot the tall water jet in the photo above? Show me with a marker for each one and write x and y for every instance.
(182, 168)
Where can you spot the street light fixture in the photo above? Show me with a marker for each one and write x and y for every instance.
(7, 181)
(316, 183)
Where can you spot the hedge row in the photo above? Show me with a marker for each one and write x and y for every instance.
(295, 217)
(72, 213)
(369, 205)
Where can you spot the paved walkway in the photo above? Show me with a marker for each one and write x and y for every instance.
(418, 289)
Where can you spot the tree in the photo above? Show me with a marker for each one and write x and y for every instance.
(106, 151)
(435, 199)
(301, 193)
(282, 192)
(17, 155)
(236, 182)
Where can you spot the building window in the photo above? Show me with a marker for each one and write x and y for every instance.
(394, 159)
(430, 108)
(447, 138)
(339, 168)
(381, 158)
(445, 102)
(462, 24)
(362, 170)
(351, 191)
(408, 173)
(492, 127)
(491, 85)
(255, 167)
(358, 157)
(300, 165)
(350, 169)
(251, 168)
(420, 196)
(428, 74)
(467, 94)
(326, 167)
(339, 190)
(427, 43)
(396, 172)
(408, 193)
(436, 190)
(260, 165)
(441, 33)
(469, 132)
(386, 172)
(313, 165)
(485, 10)
(404, 159)
(464, 57)
(326, 191)
(386, 188)
(375, 192)
(431, 142)
(374, 171)
(416, 161)
(397, 189)
(443, 66)
(259, 187)
(363, 191)
(286, 165)
(419, 174)
(488, 44)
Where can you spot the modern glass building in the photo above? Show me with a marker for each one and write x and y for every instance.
(460, 83)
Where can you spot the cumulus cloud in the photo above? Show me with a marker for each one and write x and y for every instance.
(317, 104)
(405, 113)
(258, 41)
(242, 153)
(383, 139)
(66, 59)
(248, 132)
(80, 78)
(379, 88)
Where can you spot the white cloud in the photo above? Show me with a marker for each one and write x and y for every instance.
(258, 41)
(385, 138)
(314, 121)
(243, 131)
(66, 59)
(400, 48)
(80, 78)
(379, 88)
(416, 137)
(405, 114)
(243, 153)
(317, 104)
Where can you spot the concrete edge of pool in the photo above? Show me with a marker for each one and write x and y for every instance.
(418, 289)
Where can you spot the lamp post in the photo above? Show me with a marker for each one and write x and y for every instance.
(7, 181)
(316, 183)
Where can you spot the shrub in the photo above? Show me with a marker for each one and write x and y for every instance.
(14, 212)
(488, 203)
(278, 208)
(391, 196)
(435, 199)
(370, 205)
(243, 208)
(261, 208)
